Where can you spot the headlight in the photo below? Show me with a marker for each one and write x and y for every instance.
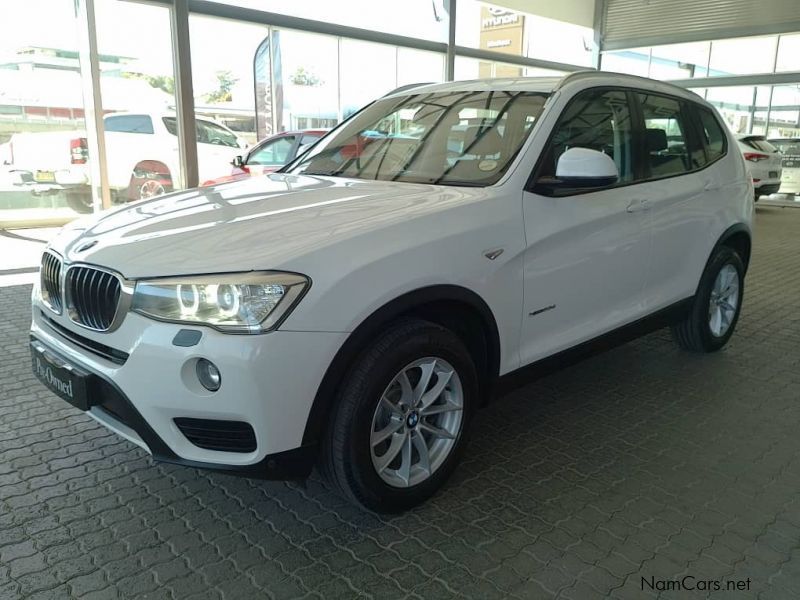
(238, 303)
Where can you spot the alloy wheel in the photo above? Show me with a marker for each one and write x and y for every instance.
(724, 300)
(417, 422)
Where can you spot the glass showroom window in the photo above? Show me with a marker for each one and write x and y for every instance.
(418, 66)
(472, 68)
(424, 19)
(635, 61)
(499, 29)
(743, 108)
(43, 152)
(679, 61)
(784, 117)
(137, 80)
(305, 80)
(788, 53)
(368, 71)
(743, 56)
(225, 95)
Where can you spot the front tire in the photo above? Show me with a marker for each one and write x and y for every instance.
(401, 419)
(716, 306)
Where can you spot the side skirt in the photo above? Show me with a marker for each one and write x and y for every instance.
(658, 320)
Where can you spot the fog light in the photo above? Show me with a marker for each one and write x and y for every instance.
(208, 374)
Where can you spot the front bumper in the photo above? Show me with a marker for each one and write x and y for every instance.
(268, 381)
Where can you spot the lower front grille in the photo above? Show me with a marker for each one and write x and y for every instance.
(223, 436)
(116, 356)
(92, 297)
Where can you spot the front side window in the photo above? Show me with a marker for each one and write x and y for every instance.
(667, 148)
(450, 138)
(598, 120)
(276, 152)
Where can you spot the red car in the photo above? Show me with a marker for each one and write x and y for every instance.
(270, 154)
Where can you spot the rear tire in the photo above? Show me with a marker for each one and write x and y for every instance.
(716, 306)
(383, 418)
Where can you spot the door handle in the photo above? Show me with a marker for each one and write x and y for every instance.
(710, 185)
(638, 205)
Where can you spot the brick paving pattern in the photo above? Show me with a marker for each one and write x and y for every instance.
(643, 462)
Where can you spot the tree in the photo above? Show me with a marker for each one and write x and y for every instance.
(225, 83)
(165, 83)
(303, 77)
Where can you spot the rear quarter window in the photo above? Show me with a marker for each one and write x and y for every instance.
(714, 138)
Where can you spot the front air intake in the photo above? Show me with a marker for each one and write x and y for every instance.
(222, 436)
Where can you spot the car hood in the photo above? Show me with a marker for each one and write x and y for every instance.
(260, 223)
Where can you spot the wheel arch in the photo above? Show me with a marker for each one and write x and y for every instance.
(145, 167)
(457, 308)
(739, 238)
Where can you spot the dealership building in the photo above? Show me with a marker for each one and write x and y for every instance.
(433, 299)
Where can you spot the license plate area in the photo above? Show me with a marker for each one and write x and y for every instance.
(44, 177)
(65, 380)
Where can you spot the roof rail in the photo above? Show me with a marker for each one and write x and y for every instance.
(408, 86)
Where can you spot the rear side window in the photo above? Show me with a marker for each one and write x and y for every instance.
(667, 149)
(598, 120)
(713, 136)
(129, 124)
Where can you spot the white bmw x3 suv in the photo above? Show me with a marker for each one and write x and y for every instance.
(355, 309)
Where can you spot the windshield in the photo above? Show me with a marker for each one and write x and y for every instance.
(454, 138)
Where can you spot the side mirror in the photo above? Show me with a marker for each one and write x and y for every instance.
(238, 162)
(585, 168)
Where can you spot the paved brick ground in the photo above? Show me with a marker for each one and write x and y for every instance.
(642, 462)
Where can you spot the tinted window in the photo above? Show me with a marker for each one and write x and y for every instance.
(598, 120)
(667, 149)
(129, 124)
(713, 136)
(276, 152)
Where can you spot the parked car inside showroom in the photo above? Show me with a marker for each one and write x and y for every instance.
(790, 163)
(141, 152)
(270, 154)
(763, 161)
(355, 309)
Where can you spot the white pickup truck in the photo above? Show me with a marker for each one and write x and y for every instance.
(142, 155)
